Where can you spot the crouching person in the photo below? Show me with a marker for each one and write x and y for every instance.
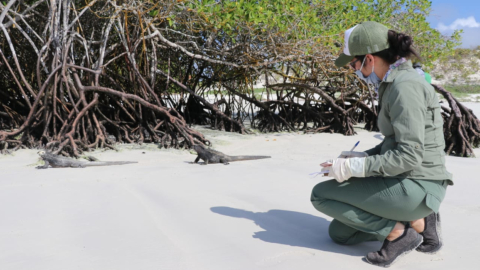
(391, 193)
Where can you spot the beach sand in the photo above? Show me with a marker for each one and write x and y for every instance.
(165, 213)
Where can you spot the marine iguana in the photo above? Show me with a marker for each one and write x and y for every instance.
(56, 161)
(212, 156)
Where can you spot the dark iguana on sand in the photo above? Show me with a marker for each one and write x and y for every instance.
(56, 161)
(212, 156)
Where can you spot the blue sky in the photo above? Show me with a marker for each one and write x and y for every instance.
(447, 15)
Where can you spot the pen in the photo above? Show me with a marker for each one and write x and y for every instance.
(353, 148)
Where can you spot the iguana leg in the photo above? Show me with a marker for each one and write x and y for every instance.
(205, 162)
(224, 162)
(197, 159)
(45, 166)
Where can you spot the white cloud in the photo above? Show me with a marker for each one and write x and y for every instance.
(471, 38)
(461, 23)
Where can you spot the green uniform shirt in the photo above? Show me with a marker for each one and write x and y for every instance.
(410, 119)
(411, 122)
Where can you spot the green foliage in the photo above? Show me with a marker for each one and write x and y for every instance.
(268, 14)
(462, 62)
(462, 91)
(323, 21)
(476, 52)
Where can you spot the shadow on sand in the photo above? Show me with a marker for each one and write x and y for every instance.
(295, 229)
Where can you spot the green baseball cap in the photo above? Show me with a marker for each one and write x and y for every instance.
(362, 39)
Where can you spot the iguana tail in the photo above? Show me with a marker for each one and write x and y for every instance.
(107, 163)
(239, 158)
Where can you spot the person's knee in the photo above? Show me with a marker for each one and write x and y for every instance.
(320, 195)
(320, 190)
(317, 197)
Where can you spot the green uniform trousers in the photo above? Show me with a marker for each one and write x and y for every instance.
(367, 209)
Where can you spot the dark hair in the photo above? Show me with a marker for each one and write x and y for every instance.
(401, 45)
(417, 65)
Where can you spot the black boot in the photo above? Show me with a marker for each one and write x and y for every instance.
(392, 250)
(432, 235)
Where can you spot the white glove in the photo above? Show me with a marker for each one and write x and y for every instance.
(350, 154)
(343, 169)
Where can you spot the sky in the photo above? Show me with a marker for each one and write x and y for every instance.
(449, 15)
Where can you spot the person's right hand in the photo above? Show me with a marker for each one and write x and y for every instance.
(350, 154)
(338, 168)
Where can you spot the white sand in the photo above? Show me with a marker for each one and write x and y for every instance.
(164, 213)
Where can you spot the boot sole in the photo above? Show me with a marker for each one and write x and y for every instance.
(412, 247)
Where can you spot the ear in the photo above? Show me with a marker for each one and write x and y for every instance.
(370, 58)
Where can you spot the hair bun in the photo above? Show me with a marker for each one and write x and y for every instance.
(401, 45)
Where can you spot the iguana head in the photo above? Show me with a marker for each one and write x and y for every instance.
(198, 147)
(41, 153)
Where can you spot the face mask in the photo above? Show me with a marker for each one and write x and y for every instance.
(371, 79)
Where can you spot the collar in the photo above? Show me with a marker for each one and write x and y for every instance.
(393, 72)
(395, 68)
